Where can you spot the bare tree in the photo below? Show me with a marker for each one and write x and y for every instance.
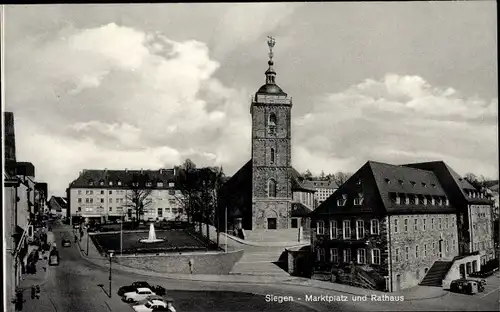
(341, 177)
(478, 182)
(307, 175)
(138, 196)
(187, 184)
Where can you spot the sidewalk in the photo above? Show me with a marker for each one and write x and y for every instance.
(416, 293)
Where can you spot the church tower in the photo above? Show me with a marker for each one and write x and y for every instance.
(271, 153)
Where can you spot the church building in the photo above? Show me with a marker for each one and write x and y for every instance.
(267, 193)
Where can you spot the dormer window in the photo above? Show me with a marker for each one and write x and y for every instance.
(447, 202)
(359, 182)
(110, 183)
(398, 199)
(425, 200)
(101, 183)
(412, 183)
(433, 185)
(272, 123)
(433, 201)
(407, 200)
(416, 200)
(341, 202)
(91, 182)
(401, 182)
(387, 181)
(424, 184)
(119, 183)
(149, 184)
(159, 184)
(358, 200)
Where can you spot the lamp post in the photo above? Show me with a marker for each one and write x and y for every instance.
(225, 249)
(110, 256)
(121, 234)
(88, 238)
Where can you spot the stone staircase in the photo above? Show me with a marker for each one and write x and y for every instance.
(436, 273)
(261, 263)
(284, 235)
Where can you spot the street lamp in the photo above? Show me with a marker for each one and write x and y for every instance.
(88, 238)
(110, 256)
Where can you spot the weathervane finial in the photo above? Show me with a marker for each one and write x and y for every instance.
(271, 42)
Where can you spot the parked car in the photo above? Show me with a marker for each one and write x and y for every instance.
(159, 290)
(150, 306)
(140, 294)
(76, 226)
(133, 287)
(465, 286)
(66, 243)
(151, 298)
(54, 259)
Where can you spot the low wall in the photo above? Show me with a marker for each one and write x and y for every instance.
(203, 263)
(454, 272)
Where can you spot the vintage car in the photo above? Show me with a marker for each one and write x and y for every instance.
(138, 295)
(54, 258)
(466, 286)
(66, 243)
(132, 288)
(150, 306)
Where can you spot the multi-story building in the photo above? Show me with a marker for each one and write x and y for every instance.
(58, 206)
(324, 188)
(107, 195)
(389, 226)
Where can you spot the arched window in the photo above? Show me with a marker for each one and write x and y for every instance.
(271, 191)
(272, 123)
(273, 156)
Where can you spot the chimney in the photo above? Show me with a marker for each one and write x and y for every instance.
(175, 171)
(142, 171)
(126, 170)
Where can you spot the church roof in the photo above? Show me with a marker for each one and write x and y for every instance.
(269, 88)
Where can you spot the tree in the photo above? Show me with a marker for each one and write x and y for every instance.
(187, 183)
(307, 175)
(139, 195)
(341, 177)
(479, 182)
(322, 175)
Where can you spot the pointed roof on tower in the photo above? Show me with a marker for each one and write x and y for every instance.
(271, 88)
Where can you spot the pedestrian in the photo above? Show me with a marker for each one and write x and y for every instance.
(33, 292)
(37, 292)
(191, 265)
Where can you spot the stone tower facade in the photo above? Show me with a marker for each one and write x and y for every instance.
(271, 154)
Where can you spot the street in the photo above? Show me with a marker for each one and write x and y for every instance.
(73, 286)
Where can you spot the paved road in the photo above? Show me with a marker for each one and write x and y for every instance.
(73, 286)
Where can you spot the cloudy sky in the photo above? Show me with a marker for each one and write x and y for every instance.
(147, 86)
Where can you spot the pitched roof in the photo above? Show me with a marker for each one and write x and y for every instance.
(61, 201)
(124, 176)
(300, 210)
(328, 184)
(298, 183)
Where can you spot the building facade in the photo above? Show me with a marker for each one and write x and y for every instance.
(387, 226)
(108, 195)
(324, 189)
(267, 193)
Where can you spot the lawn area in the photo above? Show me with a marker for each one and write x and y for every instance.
(174, 241)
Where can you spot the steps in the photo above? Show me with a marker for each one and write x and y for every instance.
(436, 274)
(259, 263)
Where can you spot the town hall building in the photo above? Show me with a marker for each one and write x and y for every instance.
(267, 193)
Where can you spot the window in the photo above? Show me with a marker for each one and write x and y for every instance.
(433, 201)
(423, 184)
(376, 256)
(272, 155)
(416, 200)
(321, 254)
(160, 212)
(334, 255)
(407, 252)
(396, 255)
(440, 223)
(272, 123)
(110, 192)
(91, 192)
(87, 200)
(401, 182)
(398, 200)
(341, 202)
(117, 200)
(102, 192)
(320, 228)
(406, 225)
(102, 200)
(425, 200)
(110, 208)
(432, 224)
(347, 255)
(415, 224)
(79, 200)
(347, 229)
(407, 200)
(387, 181)
(333, 229)
(79, 209)
(101, 182)
(424, 221)
(395, 225)
(425, 250)
(110, 200)
(91, 200)
(374, 227)
(358, 200)
(447, 202)
(119, 183)
(416, 251)
(447, 224)
(79, 192)
(271, 188)
(433, 247)
(110, 183)
(361, 256)
(87, 192)
(360, 229)
(412, 183)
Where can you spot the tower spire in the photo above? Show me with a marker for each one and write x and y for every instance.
(270, 73)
